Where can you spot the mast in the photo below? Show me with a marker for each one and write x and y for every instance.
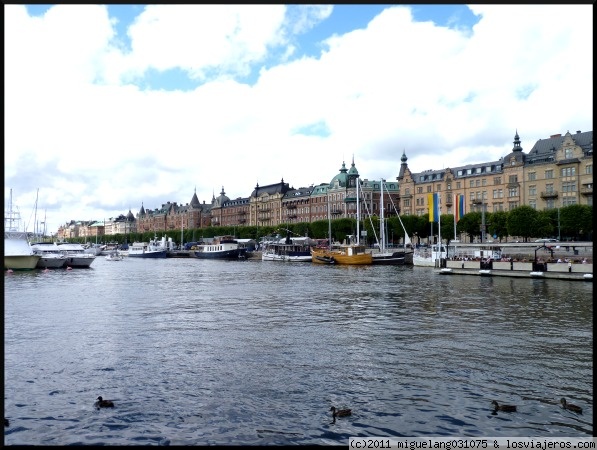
(381, 221)
(358, 213)
(35, 227)
(329, 224)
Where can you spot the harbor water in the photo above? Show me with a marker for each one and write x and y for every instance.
(202, 352)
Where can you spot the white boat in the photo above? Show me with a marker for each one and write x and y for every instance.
(288, 249)
(50, 256)
(94, 249)
(221, 247)
(151, 249)
(75, 255)
(18, 254)
(429, 256)
(114, 256)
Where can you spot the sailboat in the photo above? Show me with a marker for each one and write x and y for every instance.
(18, 254)
(352, 252)
(384, 256)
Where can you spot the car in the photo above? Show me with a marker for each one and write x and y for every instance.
(546, 240)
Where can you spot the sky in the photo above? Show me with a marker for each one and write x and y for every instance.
(111, 107)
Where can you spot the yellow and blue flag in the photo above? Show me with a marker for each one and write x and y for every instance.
(433, 200)
(458, 207)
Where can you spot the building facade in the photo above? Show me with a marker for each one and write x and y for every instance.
(556, 172)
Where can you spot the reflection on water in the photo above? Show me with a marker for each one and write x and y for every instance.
(250, 352)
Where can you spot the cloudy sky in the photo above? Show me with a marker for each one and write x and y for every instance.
(111, 107)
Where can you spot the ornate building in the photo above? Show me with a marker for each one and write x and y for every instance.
(558, 171)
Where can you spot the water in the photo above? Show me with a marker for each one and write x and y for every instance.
(199, 352)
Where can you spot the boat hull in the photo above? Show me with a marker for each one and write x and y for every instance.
(156, 254)
(21, 262)
(237, 253)
(338, 257)
(395, 258)
(290, 256)
(79, 261)
(51, 262)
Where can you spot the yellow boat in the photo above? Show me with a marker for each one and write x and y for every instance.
(351, 254)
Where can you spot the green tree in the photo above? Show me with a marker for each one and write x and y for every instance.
(470, 224)
(576, 221)
(522, 221)
(498, 224)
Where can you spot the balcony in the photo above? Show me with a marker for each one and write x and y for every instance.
(449, 200)
(242, 220)
(549, 194)
(291, 206)
(586, 190)
(292, 216)
(242, 213)
(336, 212)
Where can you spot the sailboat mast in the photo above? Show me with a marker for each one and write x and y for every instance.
(358, 213)
(35, 231)
(329, 224)
(382, 230)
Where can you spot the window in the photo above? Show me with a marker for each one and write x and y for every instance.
(568, 171)
(497, 180)
(548, 174)
(568, 153)
(532, 176)
(429, 188)
(513, 179)
(449, 186)
(533, 204)
(406, 202)
(566, 201)
(569, 186)
(589, 169)
(513, 192)
(407, 191)
(477, 183)
(438, 187)
(472, 183)
(483, 182)
(458, 183)
(420, 190)
(549, 188)
(532, 190)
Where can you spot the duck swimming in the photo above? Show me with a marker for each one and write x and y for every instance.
(505, 408)
(570, 407)
(101, 403)
(340, 412)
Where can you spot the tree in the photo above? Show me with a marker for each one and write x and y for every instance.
(470, 224)
(522, 221)
(577, 221)
(498, 224)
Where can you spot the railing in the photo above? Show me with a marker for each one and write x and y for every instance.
(549, 194)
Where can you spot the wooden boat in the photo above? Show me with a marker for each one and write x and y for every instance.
(348, 254)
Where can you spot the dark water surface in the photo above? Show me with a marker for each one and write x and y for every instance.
(199, 352)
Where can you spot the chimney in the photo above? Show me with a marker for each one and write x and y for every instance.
(577, 131)
(556, 135)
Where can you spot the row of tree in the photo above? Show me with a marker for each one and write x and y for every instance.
(574, 222)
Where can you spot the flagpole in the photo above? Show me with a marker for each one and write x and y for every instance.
(455, 212)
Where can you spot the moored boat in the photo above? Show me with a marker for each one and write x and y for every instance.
(50, 256)
(75, 255)
(151, 249)
(288, 249)
(221, 247)
(348, 254)
(18, 254)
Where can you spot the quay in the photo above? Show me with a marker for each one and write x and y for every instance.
(576, 276)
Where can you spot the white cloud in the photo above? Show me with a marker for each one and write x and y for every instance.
(95, 144)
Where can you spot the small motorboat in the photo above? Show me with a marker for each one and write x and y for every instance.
(113, 257)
